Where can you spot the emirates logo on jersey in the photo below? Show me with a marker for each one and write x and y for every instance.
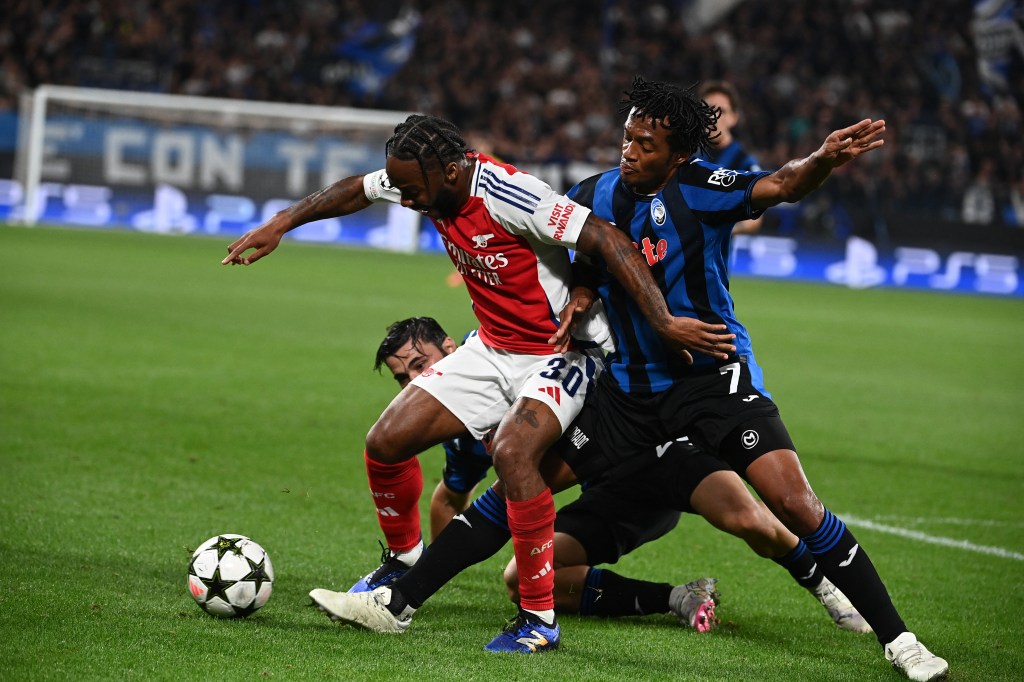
(483, 267)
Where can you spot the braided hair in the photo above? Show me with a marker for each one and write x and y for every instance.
(422, 137)
(416, 329)
(690, 121)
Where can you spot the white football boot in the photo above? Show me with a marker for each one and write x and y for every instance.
(366, 610)
(912, 659)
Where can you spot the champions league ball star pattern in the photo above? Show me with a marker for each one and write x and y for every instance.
(230, 576)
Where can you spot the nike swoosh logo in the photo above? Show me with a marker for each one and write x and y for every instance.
(853, 553)
(462, 517)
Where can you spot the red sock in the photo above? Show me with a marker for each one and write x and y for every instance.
(532, 523)
(396, 490)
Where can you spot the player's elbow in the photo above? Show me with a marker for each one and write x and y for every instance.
(748, 226)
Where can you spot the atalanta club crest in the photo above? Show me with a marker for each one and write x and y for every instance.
(658, 212)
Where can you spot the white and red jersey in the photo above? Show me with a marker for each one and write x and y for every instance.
(510, 242)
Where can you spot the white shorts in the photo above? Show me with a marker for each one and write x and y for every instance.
(478, 384)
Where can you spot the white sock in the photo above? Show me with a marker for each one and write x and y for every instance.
(412, 556)
(547, 616)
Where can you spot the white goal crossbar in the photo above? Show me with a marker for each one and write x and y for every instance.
(343, 137)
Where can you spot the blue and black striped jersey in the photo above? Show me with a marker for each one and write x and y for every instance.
(466, 463)
(683, 231)
(734, 156)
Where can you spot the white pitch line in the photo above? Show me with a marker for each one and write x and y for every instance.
(933, 539)
(953, 521)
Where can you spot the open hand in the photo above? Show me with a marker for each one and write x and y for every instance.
(685, 334)
(843, 146)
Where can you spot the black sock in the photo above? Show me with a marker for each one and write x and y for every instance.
(611, 595)
(847, 565)
(471, 537)
(801, 565)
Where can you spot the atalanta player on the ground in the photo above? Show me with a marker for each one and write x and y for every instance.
(509, 234)
(409, 348)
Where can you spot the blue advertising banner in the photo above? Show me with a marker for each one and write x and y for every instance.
(193, 179)
(859, 264)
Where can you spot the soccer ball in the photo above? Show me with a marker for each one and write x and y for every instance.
(230, 576)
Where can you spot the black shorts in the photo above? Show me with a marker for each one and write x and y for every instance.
(719, 410)
(637, 502)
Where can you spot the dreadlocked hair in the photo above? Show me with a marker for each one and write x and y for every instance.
(690, 121)
(416, 329)
(422, 137)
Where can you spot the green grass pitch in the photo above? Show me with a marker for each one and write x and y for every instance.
(151, 398)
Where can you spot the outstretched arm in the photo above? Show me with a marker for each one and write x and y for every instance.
(342, 198)
(800, 177)
(680, 334)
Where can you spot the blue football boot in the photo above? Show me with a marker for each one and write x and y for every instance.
(524, 635)
(390, 570)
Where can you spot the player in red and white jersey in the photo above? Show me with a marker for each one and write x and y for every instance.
(508, 241)
(509, 235)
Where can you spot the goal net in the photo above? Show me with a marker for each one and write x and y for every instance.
(178, 164)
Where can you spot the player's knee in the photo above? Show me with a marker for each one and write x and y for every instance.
(799, 510)
(383, 446)
(751, 525)
(511, 577)
(507, 461)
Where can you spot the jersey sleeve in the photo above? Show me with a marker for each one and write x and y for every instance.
(527, 206)
(716, 195)
(377, 187)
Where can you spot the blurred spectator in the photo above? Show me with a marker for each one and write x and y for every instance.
(541, 81)
(727, 150)
(979, 204)
(1015, 211)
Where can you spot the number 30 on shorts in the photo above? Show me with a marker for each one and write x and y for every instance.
(572, 378)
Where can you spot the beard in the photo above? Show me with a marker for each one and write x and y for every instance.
(447, 204)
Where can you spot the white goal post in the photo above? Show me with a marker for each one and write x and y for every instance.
(174, 163)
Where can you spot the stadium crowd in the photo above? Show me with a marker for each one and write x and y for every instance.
(540, 82)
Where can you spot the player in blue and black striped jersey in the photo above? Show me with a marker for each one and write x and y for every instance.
(679, 211)
(726, 150)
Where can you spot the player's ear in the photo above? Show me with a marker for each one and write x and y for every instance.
(448, 345)
(451, 173)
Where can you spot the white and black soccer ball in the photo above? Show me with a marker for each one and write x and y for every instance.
(230, 576)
